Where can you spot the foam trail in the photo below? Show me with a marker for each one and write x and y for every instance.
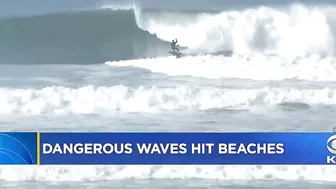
(104, 100)
(103, 173)
(255, 67)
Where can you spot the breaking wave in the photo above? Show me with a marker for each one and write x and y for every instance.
(295, 30)
(105, 100)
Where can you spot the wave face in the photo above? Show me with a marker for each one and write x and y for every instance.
(86, 37)
(111, 33)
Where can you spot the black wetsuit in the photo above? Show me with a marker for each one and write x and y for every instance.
(173, 45)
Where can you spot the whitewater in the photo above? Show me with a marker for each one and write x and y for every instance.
(108, 69)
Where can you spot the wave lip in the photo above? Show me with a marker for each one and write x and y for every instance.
(104, 173)
(120, 6)
(105, 100)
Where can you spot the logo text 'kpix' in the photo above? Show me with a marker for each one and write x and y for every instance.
(331, 146)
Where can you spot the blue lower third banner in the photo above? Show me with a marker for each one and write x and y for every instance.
(168, 148)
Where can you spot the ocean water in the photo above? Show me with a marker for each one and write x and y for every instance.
(106, 67)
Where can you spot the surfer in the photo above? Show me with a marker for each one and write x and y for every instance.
(173, 45)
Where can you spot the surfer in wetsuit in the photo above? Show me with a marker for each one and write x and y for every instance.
(173, 45)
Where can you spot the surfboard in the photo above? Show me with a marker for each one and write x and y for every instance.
(175, 53)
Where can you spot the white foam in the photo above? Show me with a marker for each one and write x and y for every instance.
(103, 173)
(296, 30)
(104, 100)
(255, 67)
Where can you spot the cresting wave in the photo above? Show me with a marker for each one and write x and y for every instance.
(96, 36)
(104, 100)
(105, 173)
